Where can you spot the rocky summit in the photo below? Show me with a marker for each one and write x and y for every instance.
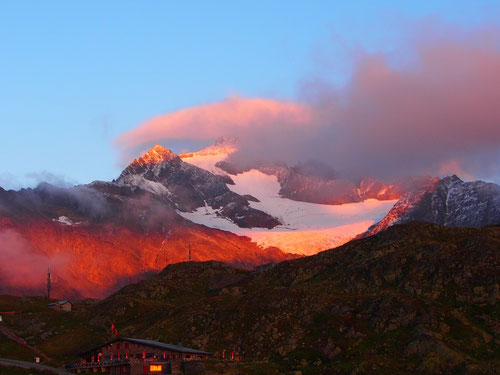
(187, 187)
(448, 201)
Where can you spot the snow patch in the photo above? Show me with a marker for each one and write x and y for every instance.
(148, 185)
(209, 156)
(64, 220)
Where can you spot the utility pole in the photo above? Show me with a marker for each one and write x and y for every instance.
(49, 281)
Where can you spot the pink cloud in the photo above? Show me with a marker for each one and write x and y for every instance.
(232, 116)
(385, 122)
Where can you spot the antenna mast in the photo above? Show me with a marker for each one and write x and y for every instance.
(49, 282)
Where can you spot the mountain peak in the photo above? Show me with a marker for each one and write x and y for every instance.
(156, 155)
(153, 159)
(451, 179)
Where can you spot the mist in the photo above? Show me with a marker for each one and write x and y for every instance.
(437, 115)
(23, 269)
(9, 181)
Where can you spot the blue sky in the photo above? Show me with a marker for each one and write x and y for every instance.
(73, 76)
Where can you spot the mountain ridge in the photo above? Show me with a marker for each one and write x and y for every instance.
(131, 227)
(448, 201)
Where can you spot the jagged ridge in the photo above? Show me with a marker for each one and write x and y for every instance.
(449, 201)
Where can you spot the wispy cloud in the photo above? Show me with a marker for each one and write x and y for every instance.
(33, 179)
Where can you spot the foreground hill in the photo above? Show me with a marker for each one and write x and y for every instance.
(417, 298)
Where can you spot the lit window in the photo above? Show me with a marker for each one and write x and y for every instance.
(155, 368)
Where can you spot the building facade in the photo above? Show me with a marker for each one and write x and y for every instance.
(128, 356)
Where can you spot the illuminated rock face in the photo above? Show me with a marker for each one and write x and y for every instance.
(91, 259)
(99, 237)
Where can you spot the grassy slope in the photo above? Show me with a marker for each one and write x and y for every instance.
(59, 335)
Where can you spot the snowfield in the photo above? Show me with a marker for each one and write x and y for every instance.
(307, 227)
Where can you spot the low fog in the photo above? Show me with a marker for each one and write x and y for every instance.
(24, 270)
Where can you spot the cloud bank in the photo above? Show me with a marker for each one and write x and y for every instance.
(439, 115)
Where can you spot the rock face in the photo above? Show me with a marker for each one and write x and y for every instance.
(101, 236)
(450, 202)
(417, 298)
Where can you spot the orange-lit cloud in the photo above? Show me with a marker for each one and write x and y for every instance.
(454, 167)
(232, 116)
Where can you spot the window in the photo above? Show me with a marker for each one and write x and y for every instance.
(155, 368)
(126, 345)
(118, 346)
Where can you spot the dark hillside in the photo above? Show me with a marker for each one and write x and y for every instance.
(417, 298)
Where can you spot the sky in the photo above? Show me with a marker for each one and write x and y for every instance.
(75, 78)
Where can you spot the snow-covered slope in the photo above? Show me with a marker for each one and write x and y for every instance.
(211, 155)
(307, 227)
